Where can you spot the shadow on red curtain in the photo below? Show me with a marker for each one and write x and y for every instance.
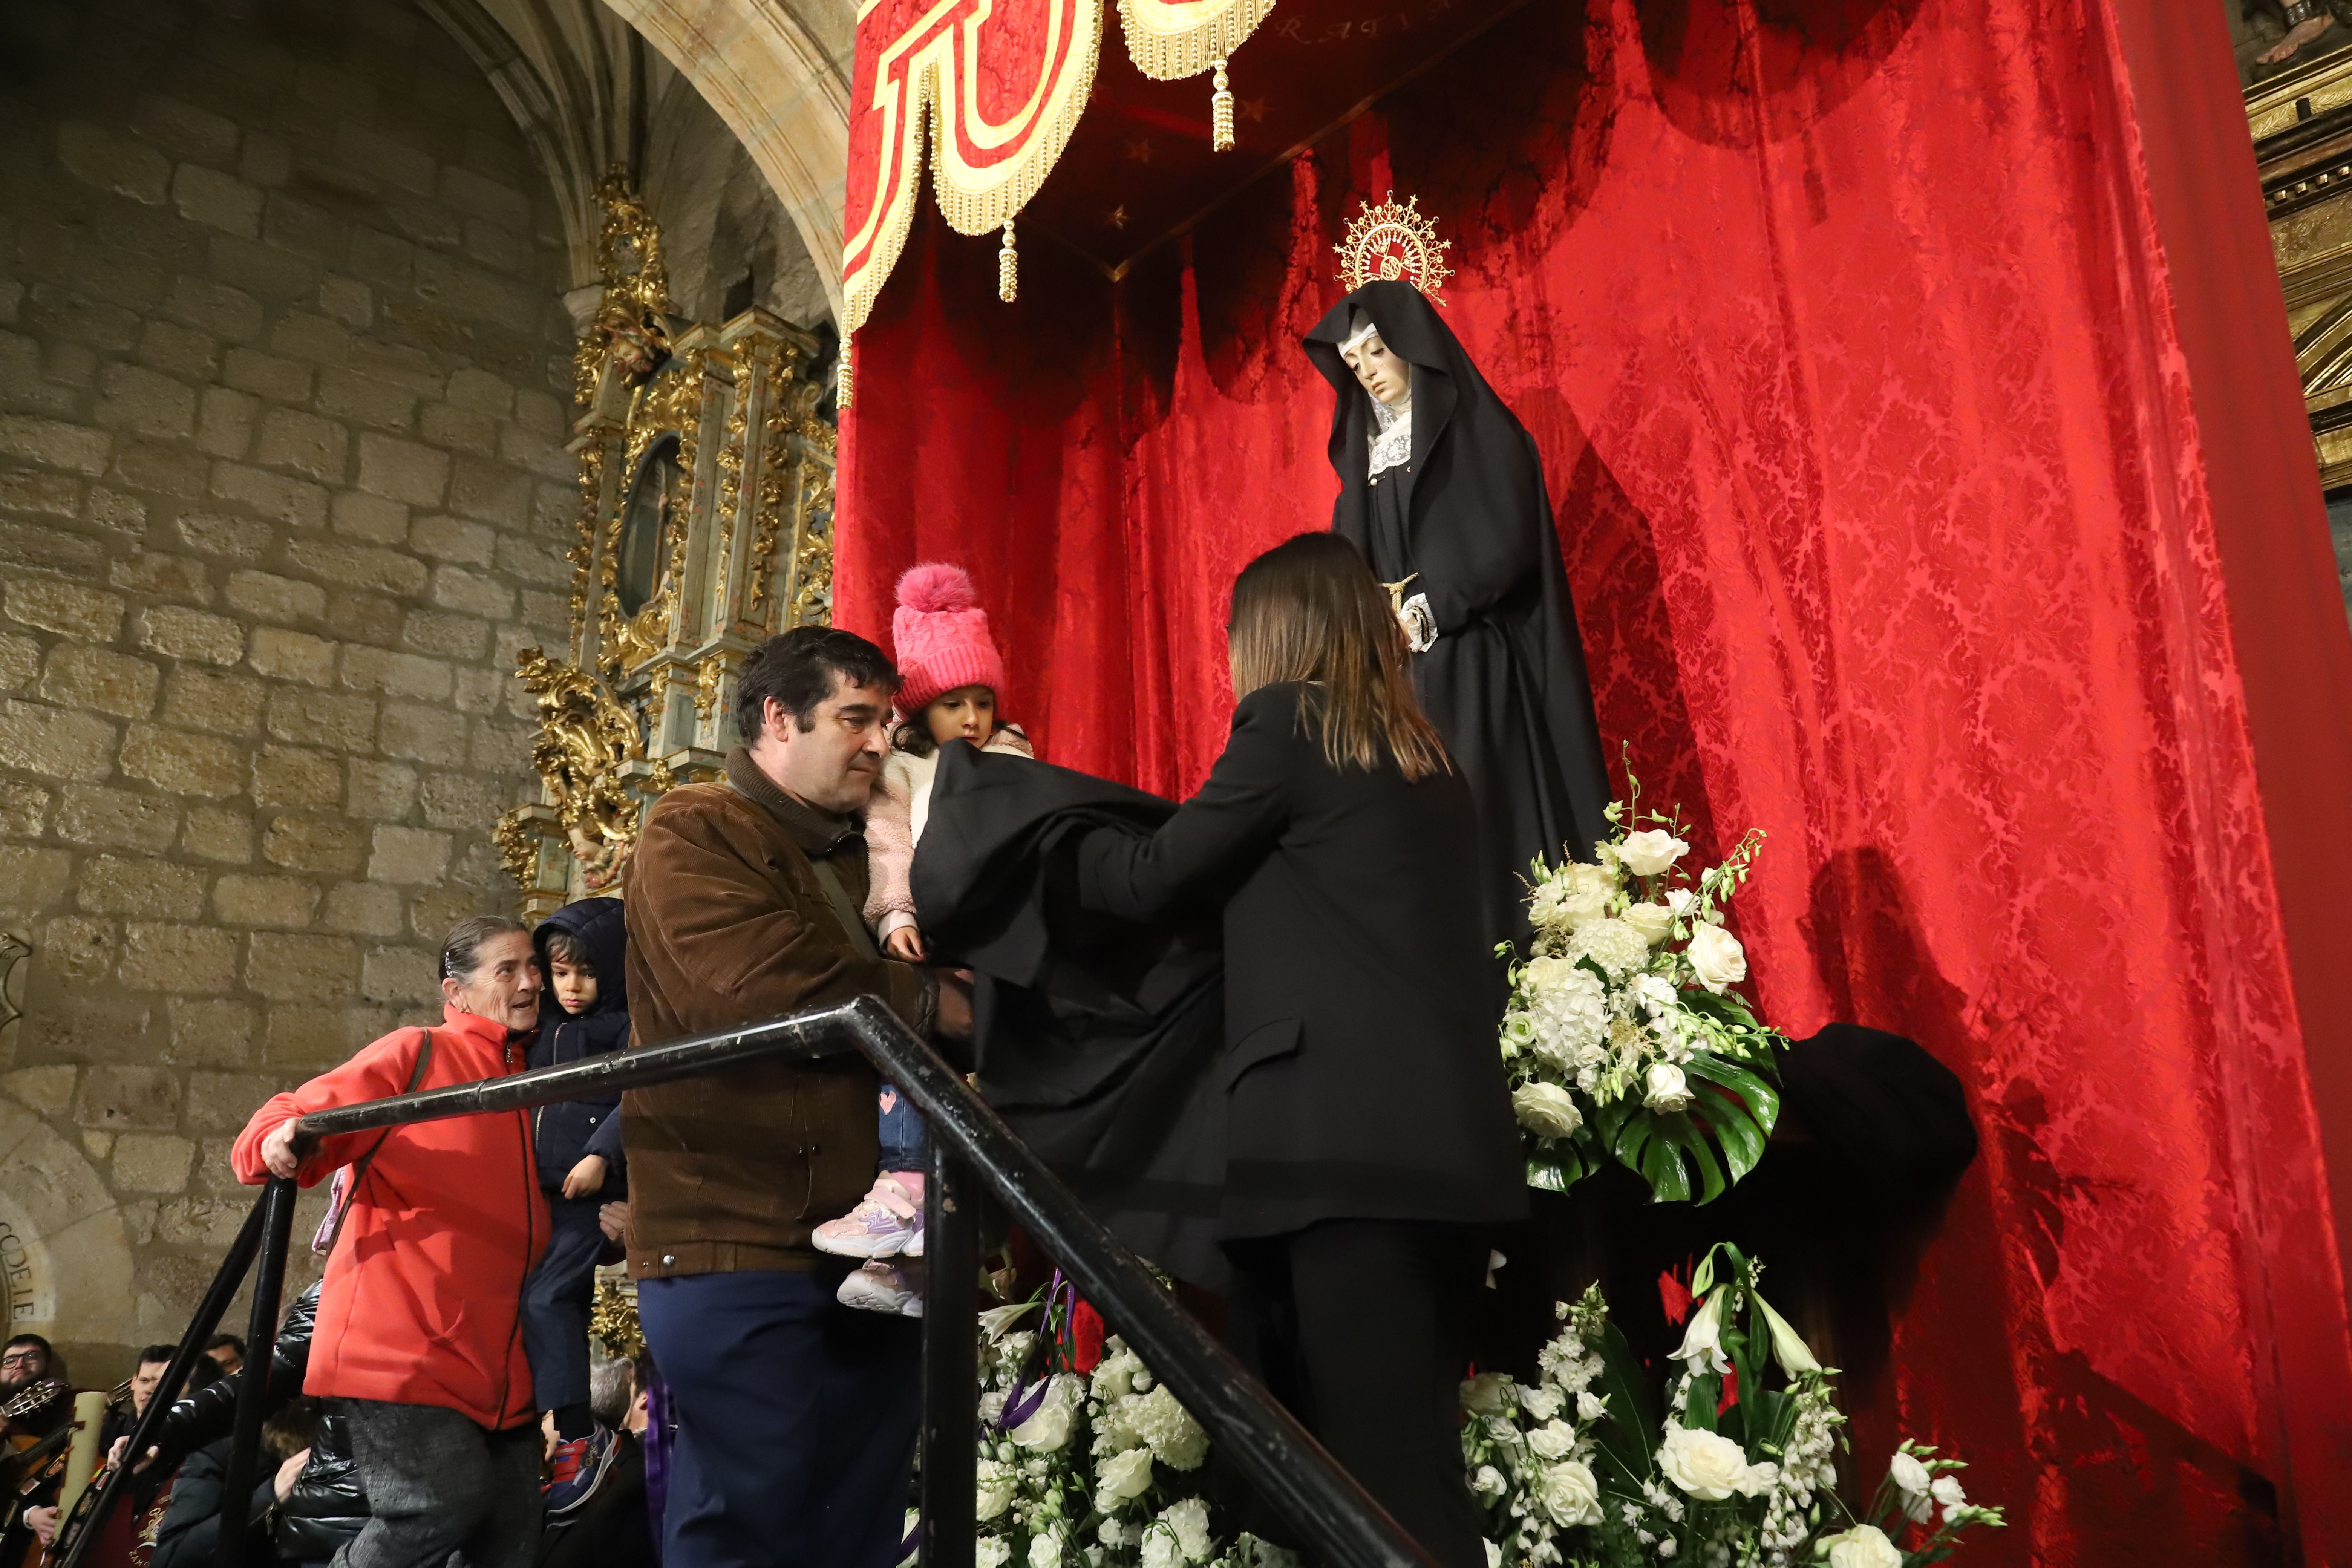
(1832, 320)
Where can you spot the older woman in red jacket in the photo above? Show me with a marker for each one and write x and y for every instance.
(419, 1339)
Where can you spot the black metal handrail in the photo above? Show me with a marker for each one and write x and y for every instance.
(969, 1141)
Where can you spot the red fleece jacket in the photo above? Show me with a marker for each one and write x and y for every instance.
(422, 1303)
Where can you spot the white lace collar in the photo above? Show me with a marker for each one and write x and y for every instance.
(1392, 446)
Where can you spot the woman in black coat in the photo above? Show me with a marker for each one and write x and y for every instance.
(1370, 1140)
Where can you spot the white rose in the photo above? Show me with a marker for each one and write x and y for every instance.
(1115, 1374)
(1190, 1521)
(1716, 957)
(1488, 1394)
(1540, 1404)
(1651, 851)
(1122, 1477)
(1488, 1482)
(1045, 1547)
(1546, 1110)
(1909, 1474)
(1160, 1548)
(1589, 1406)
(1552, 1440)
(1568, 1493)
(1666, 1088)
(994, 1493)
(1679, 901)
(1703, 1463)
(990, 1551)
(1049, 1426)
(1947, 1490)
(1863, 1546)
(1652, 920)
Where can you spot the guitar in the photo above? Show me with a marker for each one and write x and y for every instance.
(29, 1460)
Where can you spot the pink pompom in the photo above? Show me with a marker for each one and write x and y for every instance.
(935, 586)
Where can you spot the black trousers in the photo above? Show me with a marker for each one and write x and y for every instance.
(557, 1300)
(1362, 1327)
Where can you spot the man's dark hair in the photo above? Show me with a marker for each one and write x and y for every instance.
(47, 1349)
(230, 1341)
(160, 1353)
(797, 669)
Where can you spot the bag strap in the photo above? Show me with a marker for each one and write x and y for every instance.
(837, 895)
(359, 1168)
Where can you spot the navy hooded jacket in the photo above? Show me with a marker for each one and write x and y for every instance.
(564, 1131)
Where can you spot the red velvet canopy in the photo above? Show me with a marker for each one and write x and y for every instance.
(1917, 405)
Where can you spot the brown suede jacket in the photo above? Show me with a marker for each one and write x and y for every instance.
(728, 923)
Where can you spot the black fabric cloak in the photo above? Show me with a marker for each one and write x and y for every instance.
(1505, 682)
(1093, 1036)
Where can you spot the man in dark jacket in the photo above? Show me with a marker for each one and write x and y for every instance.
(796, 1415)
(584, 1013)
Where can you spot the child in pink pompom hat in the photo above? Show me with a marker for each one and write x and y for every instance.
(950, 680)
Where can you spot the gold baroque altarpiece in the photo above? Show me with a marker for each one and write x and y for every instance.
(706, 526)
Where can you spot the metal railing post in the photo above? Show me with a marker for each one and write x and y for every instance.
(110, 1491)
(1319, 1498)
(950, 1383)
(276, 1208)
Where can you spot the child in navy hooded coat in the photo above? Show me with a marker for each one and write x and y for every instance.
(585, 1012)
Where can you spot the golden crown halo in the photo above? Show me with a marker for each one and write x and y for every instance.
(1394, 243)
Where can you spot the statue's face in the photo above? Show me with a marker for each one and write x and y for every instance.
(1388, 378)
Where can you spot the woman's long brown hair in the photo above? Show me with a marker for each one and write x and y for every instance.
(1309, 610)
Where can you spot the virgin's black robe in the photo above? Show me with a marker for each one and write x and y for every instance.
(1505, 682)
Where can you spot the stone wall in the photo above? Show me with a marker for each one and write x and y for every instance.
(282, 490)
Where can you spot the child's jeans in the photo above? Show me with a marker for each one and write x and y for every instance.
(906, 1141)
(556, 1297)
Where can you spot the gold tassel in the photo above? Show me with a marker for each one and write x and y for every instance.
(1220, 112)
(1008, 269)
(843, 384)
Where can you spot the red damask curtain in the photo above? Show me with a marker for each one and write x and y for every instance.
(1917, 408)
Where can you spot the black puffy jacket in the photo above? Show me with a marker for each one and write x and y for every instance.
(328, 1506)
(210, 1413)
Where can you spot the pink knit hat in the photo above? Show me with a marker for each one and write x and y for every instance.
(942, 635)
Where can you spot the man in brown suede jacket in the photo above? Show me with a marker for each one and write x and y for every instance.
(796, 1415)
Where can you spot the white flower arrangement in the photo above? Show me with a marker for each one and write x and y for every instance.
(1582, 1469)
(1089, 1469)
(1624, 1038)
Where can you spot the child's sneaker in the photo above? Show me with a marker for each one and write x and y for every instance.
(579, 1465)
(880, 1286)
(884, 1220)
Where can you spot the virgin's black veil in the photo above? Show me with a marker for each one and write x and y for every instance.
(1505, 683)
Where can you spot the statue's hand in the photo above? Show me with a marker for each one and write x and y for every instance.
(1419, 625)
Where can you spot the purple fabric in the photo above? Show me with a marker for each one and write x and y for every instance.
(660, 1436)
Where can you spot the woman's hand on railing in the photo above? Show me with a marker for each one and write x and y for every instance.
(286, 1147)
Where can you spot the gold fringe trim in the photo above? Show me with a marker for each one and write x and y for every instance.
(1168, 42)
(1220, 112)
(1008, 269)
(844, 381)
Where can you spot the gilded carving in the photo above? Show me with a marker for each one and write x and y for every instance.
(706, 687)
(585, 740)
(671, 404)
(636, 292)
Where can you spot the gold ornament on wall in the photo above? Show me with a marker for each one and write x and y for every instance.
(1395, 244)
(585, 742)
(612, 1321)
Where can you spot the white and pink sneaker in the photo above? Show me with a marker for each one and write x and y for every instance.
(887, 1221)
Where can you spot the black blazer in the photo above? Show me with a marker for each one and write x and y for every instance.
(1360, 1003)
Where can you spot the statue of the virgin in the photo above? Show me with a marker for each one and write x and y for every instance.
(1441, 487)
